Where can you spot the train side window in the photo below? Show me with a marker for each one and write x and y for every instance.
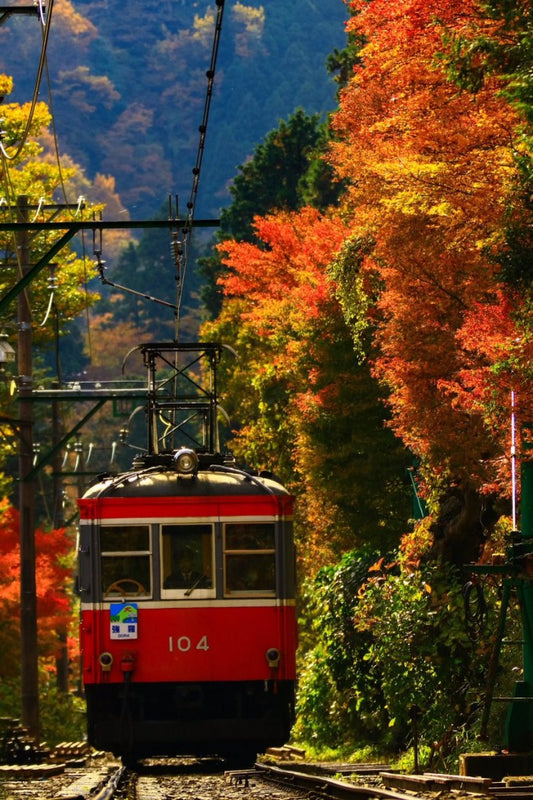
(249, 559)
(126, 561)
(187, 560)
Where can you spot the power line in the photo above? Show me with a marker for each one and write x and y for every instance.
(191, 205)
(46, 31)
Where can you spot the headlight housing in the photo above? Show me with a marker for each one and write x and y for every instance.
(185, 461)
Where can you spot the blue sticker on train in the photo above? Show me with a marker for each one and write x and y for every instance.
(123, 619)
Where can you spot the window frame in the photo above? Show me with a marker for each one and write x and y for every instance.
(108, 554)
(243, 552)
(206, 593)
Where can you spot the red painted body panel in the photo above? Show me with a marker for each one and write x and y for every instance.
(224, 643)
(155, 508)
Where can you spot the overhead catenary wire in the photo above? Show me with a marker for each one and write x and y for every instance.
(54, 138)
(6, 157)
(45, 22)
(191, 204)
(180, 245)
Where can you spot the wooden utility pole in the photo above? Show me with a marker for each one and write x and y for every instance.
(58, 521)
(28, 594)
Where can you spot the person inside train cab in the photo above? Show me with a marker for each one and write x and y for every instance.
(185, 575)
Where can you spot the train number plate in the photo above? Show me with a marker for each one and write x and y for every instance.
(183, 644)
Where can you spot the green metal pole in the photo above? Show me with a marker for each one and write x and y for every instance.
(526, 512)
(519, 724)
(527, 493)
(495, 659)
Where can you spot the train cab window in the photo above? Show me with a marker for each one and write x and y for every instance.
(249, 559)
(187, 561)
(126, 561)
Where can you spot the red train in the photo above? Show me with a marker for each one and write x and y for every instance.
(188, 630)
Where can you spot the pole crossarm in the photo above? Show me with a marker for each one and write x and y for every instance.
(34, 271)
(46, 395)
(73, 227)
(98, 225)
(99, 396)
(7, 11)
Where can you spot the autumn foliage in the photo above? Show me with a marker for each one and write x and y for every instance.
(293, 388)
(425, 264)
(280, 315)
(432, 145)
(433, 178)
(54, 588)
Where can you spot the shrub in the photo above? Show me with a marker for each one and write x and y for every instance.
(62, 715)
(388, 642)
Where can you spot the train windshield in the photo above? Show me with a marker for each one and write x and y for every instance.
(187, 560)
(126, 561)
(249, 559)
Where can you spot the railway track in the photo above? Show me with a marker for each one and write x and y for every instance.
(206, 779)
(319, 786)
(397, 786)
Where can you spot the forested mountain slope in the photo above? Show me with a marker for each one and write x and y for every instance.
(128, 85)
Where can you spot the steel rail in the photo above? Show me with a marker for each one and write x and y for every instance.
(327, 787)
(108, 791)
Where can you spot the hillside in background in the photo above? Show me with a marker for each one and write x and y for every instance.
(128, 86)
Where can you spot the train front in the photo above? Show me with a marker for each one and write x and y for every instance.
(188, 626)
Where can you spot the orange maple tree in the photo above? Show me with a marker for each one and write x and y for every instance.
(306, 408)
(431, 174)
(277, 310)
(54, 587)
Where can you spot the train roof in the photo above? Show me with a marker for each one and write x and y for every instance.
(157, 482)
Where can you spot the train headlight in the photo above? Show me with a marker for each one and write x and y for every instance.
(106, 661)
(185, 461)
(272, 657)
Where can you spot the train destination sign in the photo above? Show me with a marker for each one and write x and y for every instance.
(123, 620)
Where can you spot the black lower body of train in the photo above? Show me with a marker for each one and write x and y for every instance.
(233, 720)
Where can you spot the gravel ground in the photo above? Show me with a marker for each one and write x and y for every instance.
(220, 787)
(154, 784)
(182, 780)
